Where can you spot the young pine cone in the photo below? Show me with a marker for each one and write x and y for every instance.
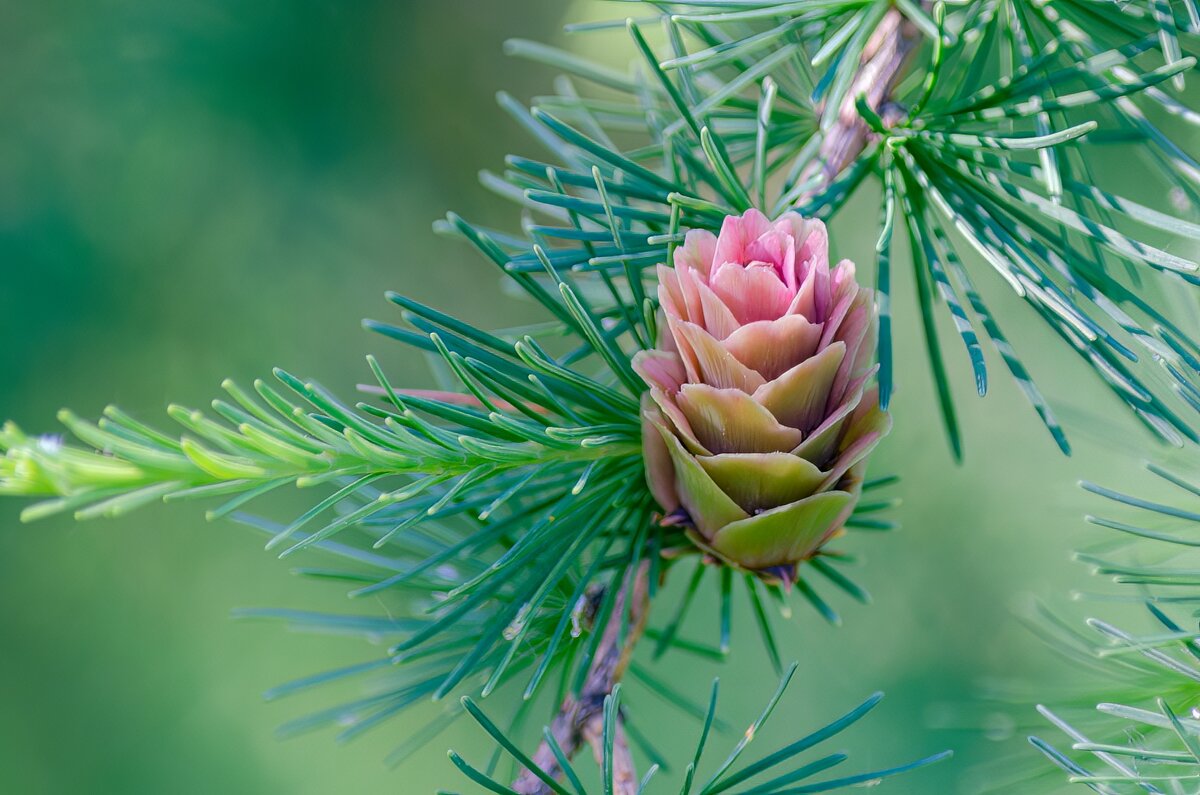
(759, 419)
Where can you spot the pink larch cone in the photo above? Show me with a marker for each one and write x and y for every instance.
(759, 419)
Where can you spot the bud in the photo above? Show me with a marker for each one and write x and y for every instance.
(758, 419)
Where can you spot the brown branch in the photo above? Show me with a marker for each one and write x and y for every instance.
(580, 719)
(881, 68)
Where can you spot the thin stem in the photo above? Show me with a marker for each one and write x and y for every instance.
(881, 68)
(580, 719)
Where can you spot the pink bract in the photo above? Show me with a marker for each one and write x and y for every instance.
(759, 417)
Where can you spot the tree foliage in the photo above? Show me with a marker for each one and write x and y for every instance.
(504, 518)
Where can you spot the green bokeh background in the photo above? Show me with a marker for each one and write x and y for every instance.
(196, 190)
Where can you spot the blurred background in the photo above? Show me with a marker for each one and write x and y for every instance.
(203, 189)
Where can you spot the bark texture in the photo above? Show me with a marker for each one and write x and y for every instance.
(580, 720)
(881, 68)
